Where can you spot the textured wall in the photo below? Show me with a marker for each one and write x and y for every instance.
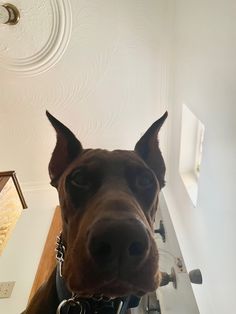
(96, 65)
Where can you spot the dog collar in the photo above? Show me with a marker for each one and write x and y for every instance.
(70, 303)
(60, 252)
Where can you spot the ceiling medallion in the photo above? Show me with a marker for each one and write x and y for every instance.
(40, 38)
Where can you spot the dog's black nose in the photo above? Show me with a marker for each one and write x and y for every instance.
(122, 245)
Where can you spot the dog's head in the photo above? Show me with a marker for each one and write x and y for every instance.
(108, 201)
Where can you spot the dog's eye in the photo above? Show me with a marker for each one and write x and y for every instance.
(80, 179)
(144, 181)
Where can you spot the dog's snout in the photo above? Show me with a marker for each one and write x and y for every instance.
(121, 245)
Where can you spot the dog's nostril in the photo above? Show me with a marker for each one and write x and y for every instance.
(136, 249)
(102, 249)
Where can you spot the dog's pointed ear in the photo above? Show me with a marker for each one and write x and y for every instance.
(67, 148)
(148, 149)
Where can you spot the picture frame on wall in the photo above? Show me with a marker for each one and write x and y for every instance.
(12, 203)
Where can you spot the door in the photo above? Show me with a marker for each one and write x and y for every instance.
(176, 297)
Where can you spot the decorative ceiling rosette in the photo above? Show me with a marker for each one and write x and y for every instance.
(39, 38)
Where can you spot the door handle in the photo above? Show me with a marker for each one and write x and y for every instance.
(195, 277)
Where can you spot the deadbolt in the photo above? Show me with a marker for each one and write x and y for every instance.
(195, 276)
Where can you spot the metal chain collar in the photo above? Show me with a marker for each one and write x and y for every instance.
(82, 306)
(71, 302)
(60, 252)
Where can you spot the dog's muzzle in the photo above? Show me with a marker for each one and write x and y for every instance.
(118, 246)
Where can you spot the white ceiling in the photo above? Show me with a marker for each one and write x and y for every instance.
(95, 65)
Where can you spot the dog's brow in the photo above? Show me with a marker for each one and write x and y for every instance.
(113, 158)
(97, 155)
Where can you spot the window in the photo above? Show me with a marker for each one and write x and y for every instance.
(192, 136)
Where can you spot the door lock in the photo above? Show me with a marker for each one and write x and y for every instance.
(167, 278)
(195, 277)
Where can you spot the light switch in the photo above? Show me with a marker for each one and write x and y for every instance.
(6, 289)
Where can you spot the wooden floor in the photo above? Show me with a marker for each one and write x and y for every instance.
(47, 261)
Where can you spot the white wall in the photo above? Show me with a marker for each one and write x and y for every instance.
(204, 78)
(20, 258)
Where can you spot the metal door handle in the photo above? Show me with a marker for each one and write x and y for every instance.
(167, 278)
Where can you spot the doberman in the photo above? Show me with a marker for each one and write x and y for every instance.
(106, 251)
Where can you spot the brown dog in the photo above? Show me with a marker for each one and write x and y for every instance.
(108, 203)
